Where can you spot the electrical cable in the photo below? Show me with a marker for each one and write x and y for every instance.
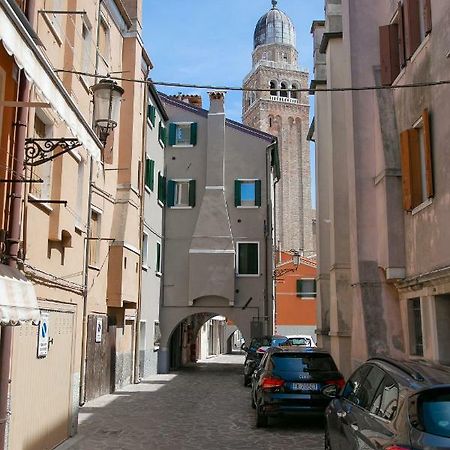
(243, 89)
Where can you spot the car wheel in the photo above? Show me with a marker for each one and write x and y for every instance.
(261, 419)
(327, 445)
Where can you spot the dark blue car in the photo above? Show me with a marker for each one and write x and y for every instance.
(293, 380)
(391, 405)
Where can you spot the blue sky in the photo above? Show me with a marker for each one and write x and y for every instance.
(211, 41)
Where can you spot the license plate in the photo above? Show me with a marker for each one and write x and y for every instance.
(305, 386)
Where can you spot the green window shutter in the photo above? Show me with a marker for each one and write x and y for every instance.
(151, 175)
(164, 189)
(147, 172)
(160, 131)
(152, 115)
(158, 257)
(237, 193)
(193, 134)
(299, 288)
(160, 187)
(258, 193)
(149, 112)
(172, 134)
(192, 187)
(170, 193)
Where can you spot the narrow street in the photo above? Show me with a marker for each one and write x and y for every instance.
(205, 407)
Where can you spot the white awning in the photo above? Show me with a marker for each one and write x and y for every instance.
(18, 302)
(29, 57)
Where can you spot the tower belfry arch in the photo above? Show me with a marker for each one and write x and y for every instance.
(283, 112)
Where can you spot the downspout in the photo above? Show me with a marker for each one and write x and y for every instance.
(6, 341)
(137, 349)
(276, 250)
(82, 393)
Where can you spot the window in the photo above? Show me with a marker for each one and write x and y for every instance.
(151, 114)
(161, 189)
(306, 288)
(248, 258)
(273, 88)
(294, 93)
(401, 38)
(156, 335)
(183, 134)
(354, 384)
(158, 258)
(87, 64)
(283, 91)
(386, 399)
(103, 40)
(417, 168)
(145, 250)
(415, 327)
(162, 134)
(94, 237)
(181, 193)
(42, 129)
(149, 173)
(442, 304)
(247, 193)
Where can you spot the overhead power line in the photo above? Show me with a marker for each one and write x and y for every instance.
(234, 88)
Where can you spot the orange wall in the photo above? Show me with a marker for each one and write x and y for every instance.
(290, 309)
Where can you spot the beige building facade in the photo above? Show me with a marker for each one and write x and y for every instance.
(283, 112)
(384, 288)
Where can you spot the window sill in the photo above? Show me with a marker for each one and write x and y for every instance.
(158, 274)
(150, 124)
(80, 228)
(181, 207)
(161, 143)
(182, 146)
(148, 190)
(160, 203)
(156, 348)
(43, 206)
(248, 207)
(145, 268)
(239, 275)
(422, 206)
(95, 268)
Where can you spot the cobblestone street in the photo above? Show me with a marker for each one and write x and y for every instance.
(206, 407)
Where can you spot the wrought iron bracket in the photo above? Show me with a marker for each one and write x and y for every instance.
(40, 151)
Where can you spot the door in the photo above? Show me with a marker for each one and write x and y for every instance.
(41, 388)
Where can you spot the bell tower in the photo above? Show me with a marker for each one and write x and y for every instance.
(284, 112)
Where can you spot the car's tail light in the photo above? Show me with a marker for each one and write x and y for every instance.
(261, 350)
(271, 383)
(397, 447)
(340, 382)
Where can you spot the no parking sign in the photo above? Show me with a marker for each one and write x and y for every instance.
(42, 350)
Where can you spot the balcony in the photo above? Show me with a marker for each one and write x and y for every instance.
(277, 98)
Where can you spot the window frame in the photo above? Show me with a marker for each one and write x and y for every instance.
(187, 181)
(258, 198)
(249, 275)
(158, 259)
(307, 295)
(413, 335)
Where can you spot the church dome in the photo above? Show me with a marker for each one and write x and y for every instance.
(275, 27)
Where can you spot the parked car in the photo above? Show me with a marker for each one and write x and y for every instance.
(293, 380)
(255, 351)
(392, 405)
(302, 339)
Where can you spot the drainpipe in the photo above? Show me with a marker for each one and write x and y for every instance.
(277, 249)
(6, 341)
(137, 333)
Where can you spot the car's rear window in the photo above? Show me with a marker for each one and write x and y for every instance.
(303, 362)
(300, 341)
(279, 341)
(433, 410)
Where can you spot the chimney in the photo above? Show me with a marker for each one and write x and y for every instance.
(191, 99)
(217, 99)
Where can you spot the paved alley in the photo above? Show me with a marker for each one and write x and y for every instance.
(205, 407)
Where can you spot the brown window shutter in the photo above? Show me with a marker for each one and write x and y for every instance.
(389, 57)
(401, 35)
(411, 174)
(427, 16)
(428, 153)
(412, 26)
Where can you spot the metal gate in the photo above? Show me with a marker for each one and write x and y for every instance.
(100, 357)
(41, 388)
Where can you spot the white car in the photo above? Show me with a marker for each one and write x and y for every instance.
(301, 339)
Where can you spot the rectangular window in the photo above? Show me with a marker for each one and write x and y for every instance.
(162, 134)
(145, 250)
(415, 327)
(248, 258)
(156, 335)
(158, 258)
(151, 114)
(150, 173)
(306, 288)
(247, 193)
(94, 238)
(183, 134)
(417, 167)
(181, 193)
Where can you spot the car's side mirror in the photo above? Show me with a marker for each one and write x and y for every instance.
(331, 391)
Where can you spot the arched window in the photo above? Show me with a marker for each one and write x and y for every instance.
(294, 93)
(283, 93)
(273, 88)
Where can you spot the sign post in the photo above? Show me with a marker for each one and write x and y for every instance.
(42, 350)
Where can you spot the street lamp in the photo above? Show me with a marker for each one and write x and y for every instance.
(280, 271)
(107, 98)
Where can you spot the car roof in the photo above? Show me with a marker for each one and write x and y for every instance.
(417, 374)
(299, 349)
(294, 336)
